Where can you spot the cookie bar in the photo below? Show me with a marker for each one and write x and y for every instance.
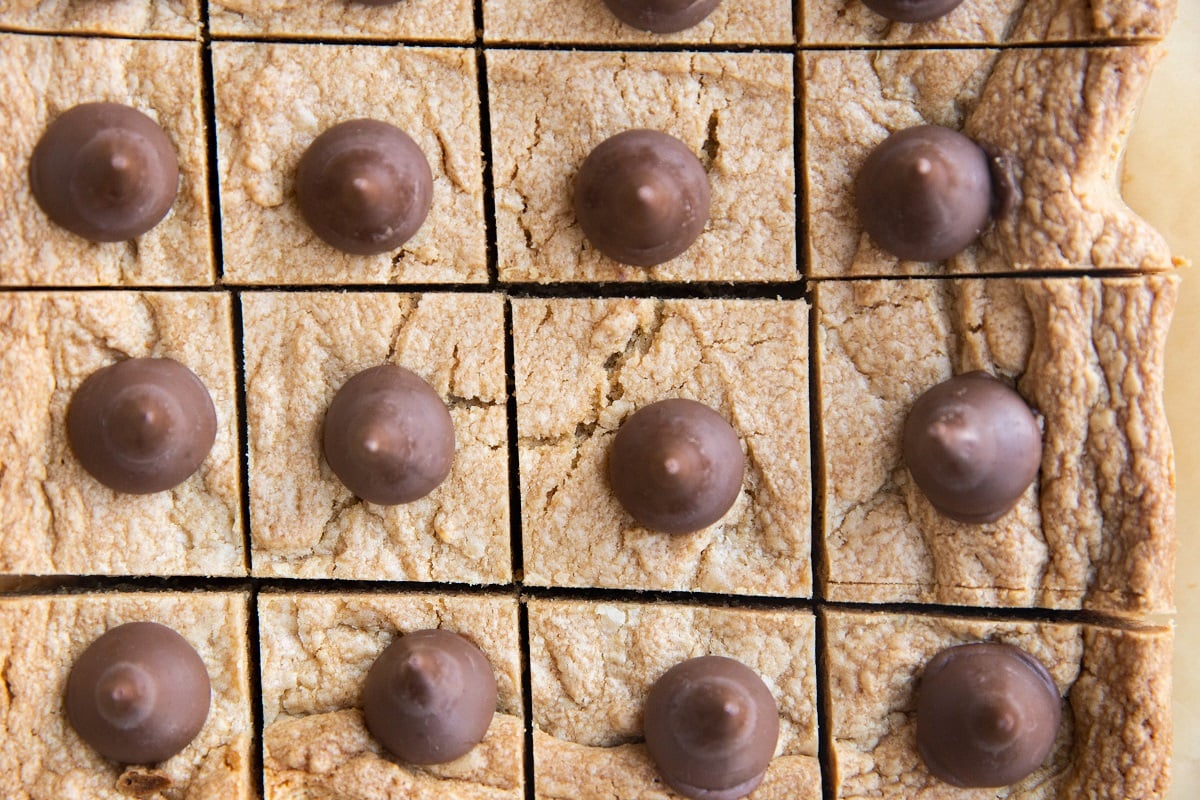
(316, 650)
(168, 19)
(851, 23)
(41, 756)
(273, 100)
(1095, 531)
(1114, 740)
(542, 130)
(592, 664)
(1059, 116)
(158, 78)
(299, 349)
(582, 366)
(411, 20)
(55, 518)
(759, 22)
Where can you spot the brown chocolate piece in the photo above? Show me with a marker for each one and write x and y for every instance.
(429, 697)
(711, 727)
(973, 446)
(138, 694)
(105, 172)
(912, 10)
(389, 436)
(676, 465)
(364, 186)
(141, 425)
(925, 193)
(987, 715)
(661, 16)
(642, 197)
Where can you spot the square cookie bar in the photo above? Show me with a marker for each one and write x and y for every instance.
(1095, 530)
(316, 651)
(410, 20)
(299, 349)
(593, 663)
(1114, 740)
(733, 111)
(55, 518)
(46, 76)
(173, 19)
(272, 100)
(751, 22)
(851, 23)
(1058, 117)
(583, 366)
(41, 755)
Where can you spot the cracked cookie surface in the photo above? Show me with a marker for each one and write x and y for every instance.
(414, 20)
(316, 651)
(272, 100)
(582, 366)
(714, 103)
(55, 518)
(299, 349)
(1096, 530)
(41, 756)
(166, 18)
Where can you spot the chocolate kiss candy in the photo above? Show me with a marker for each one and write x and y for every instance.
(641, 197)
(364, 186)
(912, 10)
(388, 436)
(973, 446)
(142, 425)
(429, 697)
(987, 715)
(711, 727)
(105, 172)
(661, 16)
(138, 694)
(676, 466)
(925, 193)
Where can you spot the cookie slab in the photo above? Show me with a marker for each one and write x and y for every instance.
(316, 651)
(409, 20)
(169, 19)
(55, 518)
(299, 349)
(1096, 530)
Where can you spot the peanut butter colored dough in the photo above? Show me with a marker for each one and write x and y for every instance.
(592, 665)
(583, 366)
(407, 20)
(716, 104)
(316, 651)
(1114, 742)
(175, 19)
(850, 22)
(41, 756)
(55, 518)
(160, 79)
(1095, 531)
(299, 349)
(272, 100)
(587, 22)
(1061, 115)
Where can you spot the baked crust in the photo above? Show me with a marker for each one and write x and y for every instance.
(299, 350)
(410, 20)
(543, 129)
(582, 366)
(174, 19)
(1095, 531)
(1114, 742)
(160, 79)
(272, 100)
(41, 756)
(316, 651)
(55, 518)
(1059, 115)
(592, 664)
